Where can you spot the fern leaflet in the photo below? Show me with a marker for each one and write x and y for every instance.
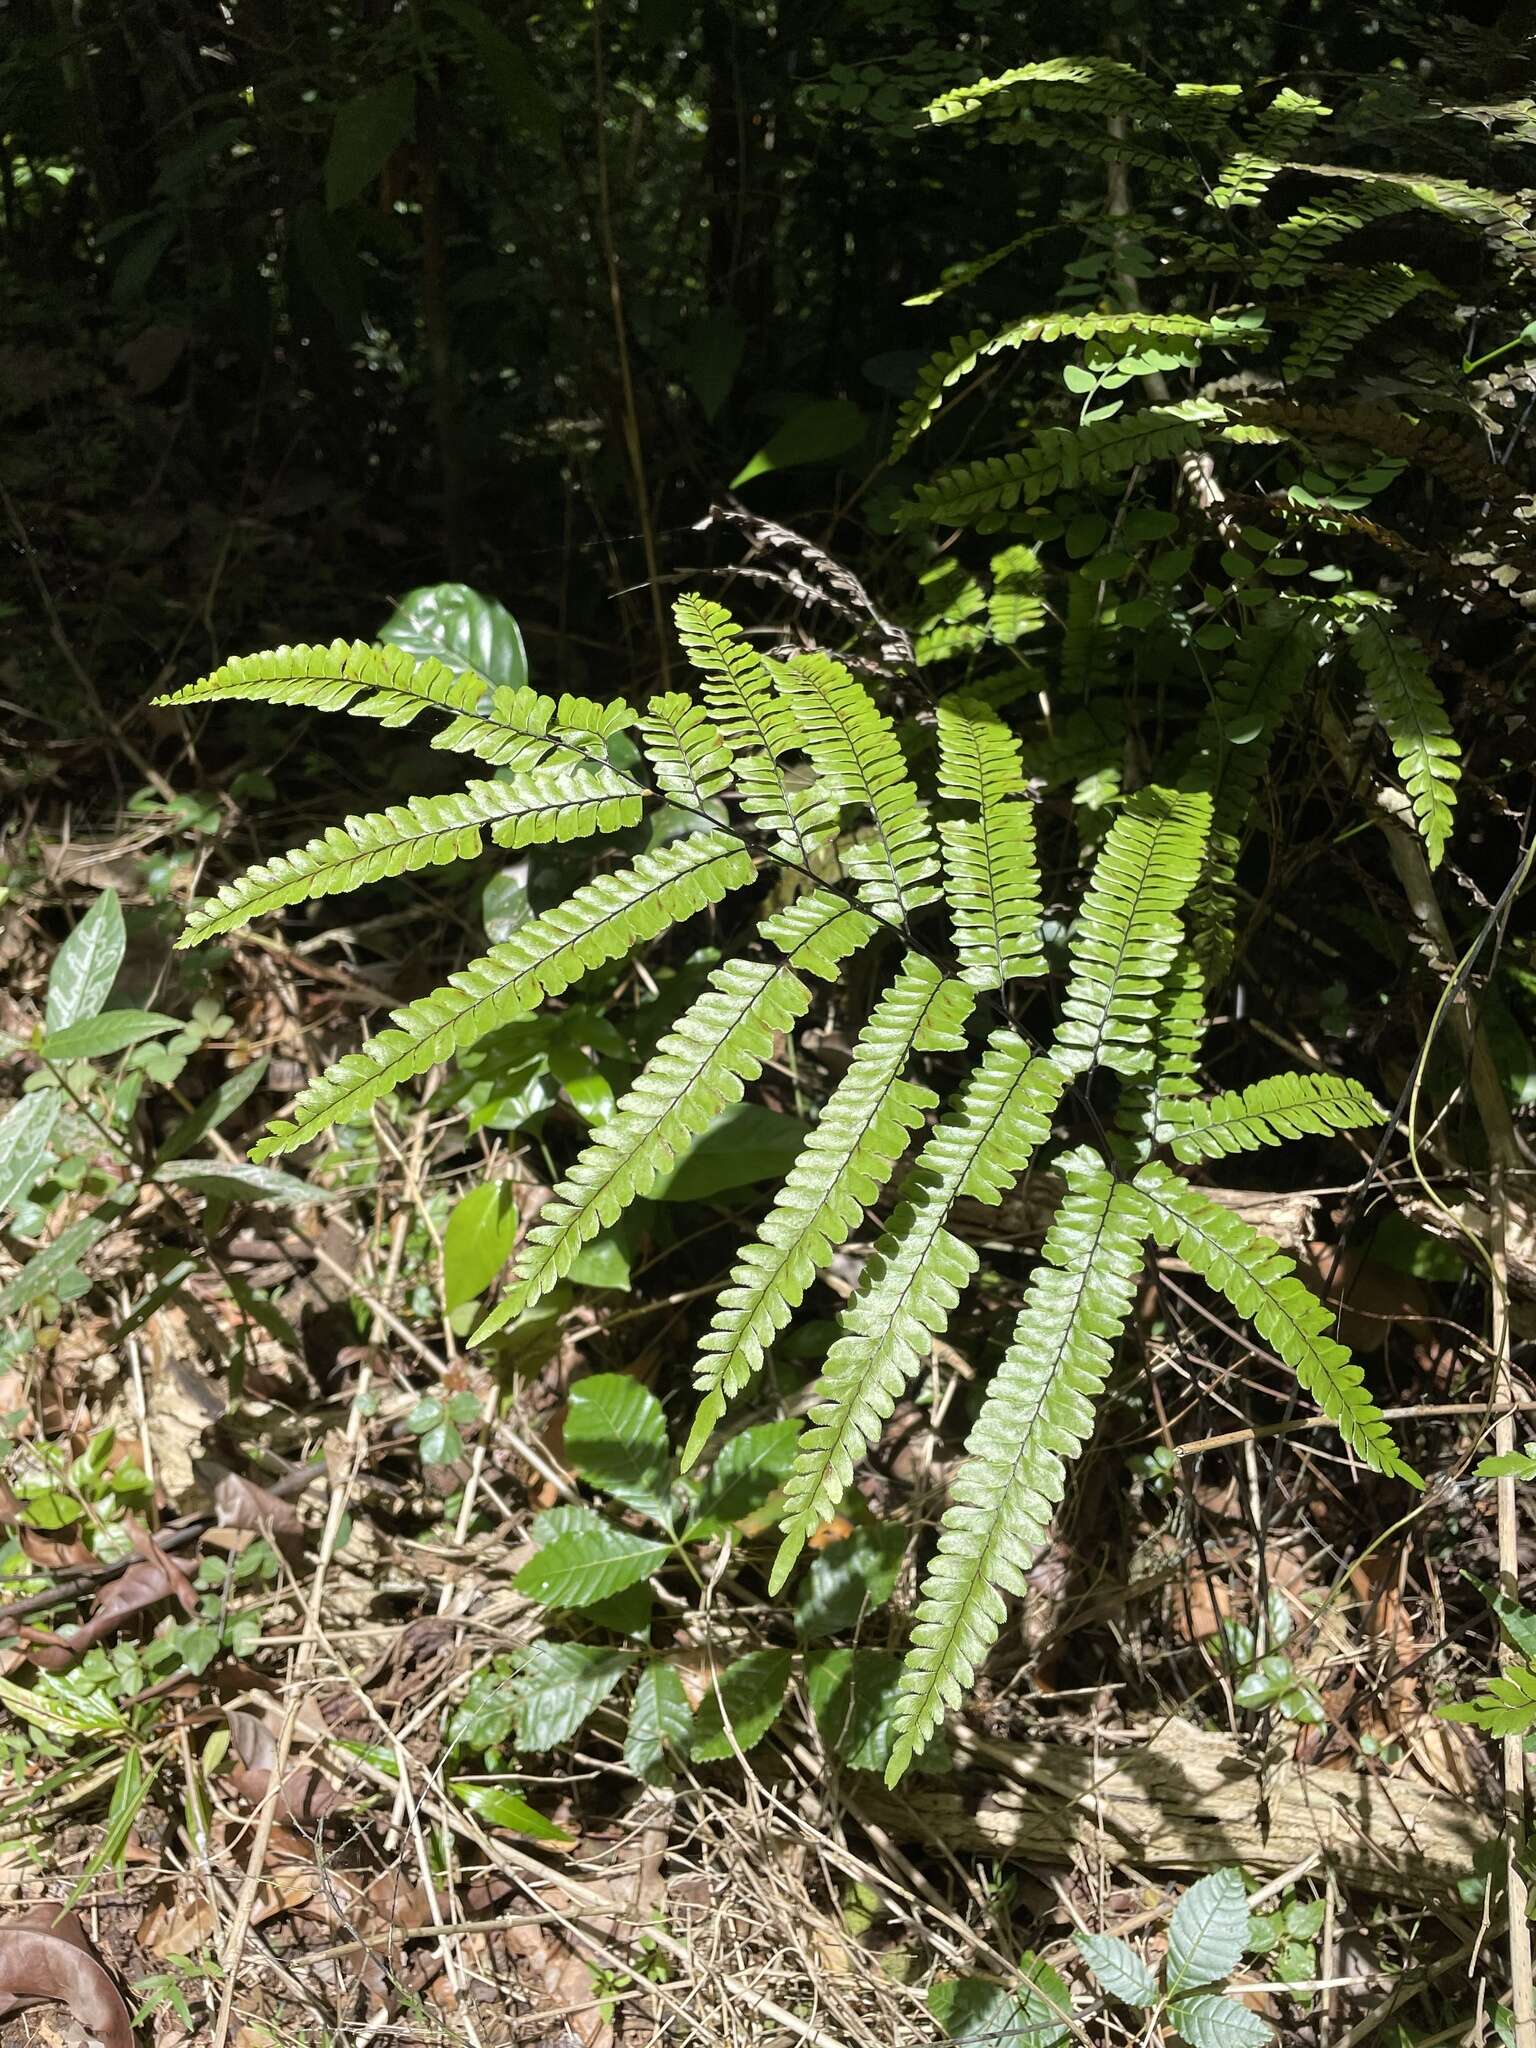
(1269, 1112)
(844, 1164)
(1404, 696)
(700, 1068)
(1038, 1412)
(1261, 1284)
(525, 809)
(991, 874)
(603, 920)
(914, 1278)
(690, 761)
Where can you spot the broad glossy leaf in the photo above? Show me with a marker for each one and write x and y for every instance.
(24, 1133)
(979, 2014)
(364, 136)
(1210, 2021)
(500, 1807)
(744, 1145)
(660, 1724)
(478, 1240)
(459, 626)
(817, 432)
(575, 1570)
(850, 1579)
(751, 1691)
(746, 1473)
(86, 965)
(524, 104)
(616, 1437)
(1208, 1931)
(558, 1687)
(93, 1038)
(1118, 1969)
(854, 1696)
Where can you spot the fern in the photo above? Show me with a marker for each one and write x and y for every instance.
(700, 1068)
(1038, 1413)
(508, 728)
(1129, 933)
(913, 1280)
(1269, 1112)
(525, 809)
(991, 876)
(857, 761)
(1276, 133)
(848, 1159)
(1346, 314)
(1405, 699)
(602, 921)
(1259, 1281)
(690, 761)
(1079, 85)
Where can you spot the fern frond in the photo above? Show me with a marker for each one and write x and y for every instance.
(1015, 605)
(1406, 699)
(1038, 1412)
(1249, 700)
(1153, 1104)
(1342, 317)
(991, 873)
(1128, 934)
(912, 1282)
(757, 724)
(1277, 133)
(1185, 331)
(1261, 1284)
(700, 1067)
(1269, 1112)
(1503, 217)
(1076, 85)
(857, 760)
(690, 761)
(1061, 458)
(507, 728)
(1303, 240)
(526, 809)
(1078, 743)
(1444, 452)
(602, 921)
(845, 1163)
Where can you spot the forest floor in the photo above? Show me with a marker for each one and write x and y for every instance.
(244, 1446)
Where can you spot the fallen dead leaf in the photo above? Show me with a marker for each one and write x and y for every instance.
(46, 1959)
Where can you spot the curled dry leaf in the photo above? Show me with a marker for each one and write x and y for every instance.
(305, 1796)
(241, 1504)
(47, 1960)
(156, 1577)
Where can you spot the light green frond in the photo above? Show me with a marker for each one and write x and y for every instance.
(1015, 604)
(1276, 134)
(1038, 1413)
(1152, 1104)
(1060, 458)
(1075, 85)
(1504, 218)
(1271, 1111)
(991, 873)
(1183, 331)
(1261, 1284)
(858, 762)
(1407, 700)
(914, 1278)
(1344, 315)
(508, 728)
(700, 1068)
(756, 723)
(980, 759)
(1249, 701)
(846, 1162)
(690, 761)
(818, 931)
(604, 920)
(1128, 933)
(527, 809)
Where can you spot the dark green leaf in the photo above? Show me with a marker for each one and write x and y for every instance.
(616, 1437)
(364, 136)
(660, 1724)
(462, 628)
(1211, 2021)
(93, 1038)
(1118, 1969)
(478, 1240)
(575, 1570)
(500, 1807)
(1208, 1932)
(751, 1691)
(850, 1579)
(744, 1145)
(744, 1476)
(558, 1687)
(815, 432)
(238, 1181)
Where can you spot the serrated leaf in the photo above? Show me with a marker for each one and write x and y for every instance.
(849, 1579)
(751, 1692)
(86, 965)
(855, 1695)
(578, 1569)
(979, 2014)
(93, 1038)
(558, 1686)
(660, 1724)
(1209, 2020)
(24, 1133)
(238, 1181)
(747, 1472)
(1118, 1969)
(477, 1240)
(616, 1438)
(1208, 1931)
(500, 1807)
(464, 629)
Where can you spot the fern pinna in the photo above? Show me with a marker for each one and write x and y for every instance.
(891, 869)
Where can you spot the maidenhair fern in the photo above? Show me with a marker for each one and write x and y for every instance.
(786, 758)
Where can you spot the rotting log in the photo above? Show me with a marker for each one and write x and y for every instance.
(1176, 1797)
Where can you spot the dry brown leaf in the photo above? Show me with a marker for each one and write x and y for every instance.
(242, 1504)
(305, 1796)
(47, 1960)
